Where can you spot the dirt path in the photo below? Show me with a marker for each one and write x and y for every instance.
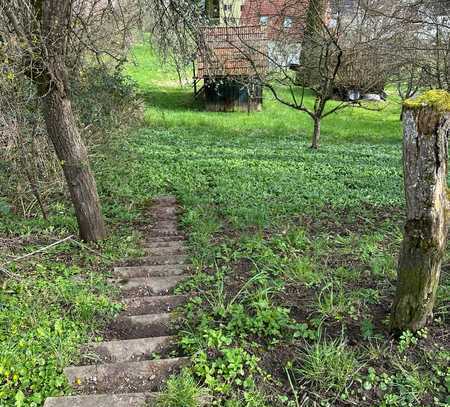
(123, 372)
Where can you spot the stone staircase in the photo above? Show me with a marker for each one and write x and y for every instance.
(122, 371)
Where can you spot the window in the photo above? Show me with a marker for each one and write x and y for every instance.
(264, 20)
(287, 22)
(227, 7)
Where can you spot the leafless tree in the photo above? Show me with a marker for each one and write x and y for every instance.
(333, 51)
(45, 40)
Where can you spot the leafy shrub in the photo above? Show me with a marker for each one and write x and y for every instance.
(104, 98)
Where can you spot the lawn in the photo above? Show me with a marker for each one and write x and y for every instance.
(294, 249)
(294, 255)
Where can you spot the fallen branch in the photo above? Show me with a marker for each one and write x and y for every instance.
(83, 246)
(10, 273)
(42, 249)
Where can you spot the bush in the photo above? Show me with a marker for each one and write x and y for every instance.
(104, 98)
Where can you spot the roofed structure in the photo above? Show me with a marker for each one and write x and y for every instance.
(232, 51)
(231, 61)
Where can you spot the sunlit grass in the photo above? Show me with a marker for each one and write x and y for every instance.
(172, 105)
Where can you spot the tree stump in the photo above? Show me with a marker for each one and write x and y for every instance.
(425, 157)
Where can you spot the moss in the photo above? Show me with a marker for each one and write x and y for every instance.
(437, 99)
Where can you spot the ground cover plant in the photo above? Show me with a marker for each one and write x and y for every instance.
(54, 299)
(295, 250)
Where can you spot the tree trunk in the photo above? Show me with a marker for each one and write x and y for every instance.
(425, 155)
(55, 16)
(316, 134)
(72, 154)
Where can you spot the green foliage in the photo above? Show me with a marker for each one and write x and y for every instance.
(405, 387)
(329, 365)
(103, 97)
(181, 391)
(229, 368)
(43, 318)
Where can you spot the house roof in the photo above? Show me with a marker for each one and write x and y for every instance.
(232, 51)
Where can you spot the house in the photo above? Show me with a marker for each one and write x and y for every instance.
(231, 61)
(284, 21)
(224, 12)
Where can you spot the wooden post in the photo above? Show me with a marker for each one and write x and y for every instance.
(425, 156)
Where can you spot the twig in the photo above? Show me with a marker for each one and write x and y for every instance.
(88, 248)
(10, 273)
(42, 249)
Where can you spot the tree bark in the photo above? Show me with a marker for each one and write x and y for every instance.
(316, 134)
(72, 154)
(60, 122)
(425, 155)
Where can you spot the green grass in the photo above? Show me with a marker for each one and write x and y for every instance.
(181, 390)
(329, 366)
(173, 107)
(289, 244)
(294, 253)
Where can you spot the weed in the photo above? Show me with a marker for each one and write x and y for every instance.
(181, 391)
(328, 365)
(333, 302)
(303, 271)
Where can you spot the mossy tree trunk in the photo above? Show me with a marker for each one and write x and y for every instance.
(425, 155)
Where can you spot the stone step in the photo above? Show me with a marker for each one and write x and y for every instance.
(142, 286)
(149, 271)
(163, 260)
(169, 224)
(123, 377)
(160, 239)
(104, 400)
(164, 200)
(167, 233)
(130, 350)
(165, 212)
(174, 244)
(165, 250)
(141, 326)
(152, 305)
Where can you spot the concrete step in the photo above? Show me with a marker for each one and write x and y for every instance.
(104, 400)
(174, 244)
(165, 251)
(152, 305)
(130, 350)
(165, 212)
(163, 260)
(165, 233)
(142, 286)
(169, 224)
(148, 271)
(160, 239)
(165, 200)
(141, 326)
(123, 377)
